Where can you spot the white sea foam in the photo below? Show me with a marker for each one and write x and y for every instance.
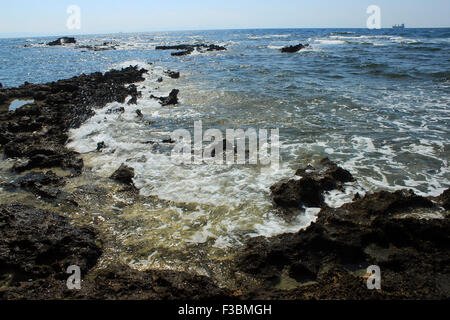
(241, 192)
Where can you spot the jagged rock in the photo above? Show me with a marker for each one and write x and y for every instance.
(124, 174)
(36, 244)
(139, 113)
(173, 74)
(101, 146)
(170, 100)
(37, 132)
(120, 282)
(444, 199)
(186, 49)
(412, 253)
(116, 110)
(290, 195)
(291, 49)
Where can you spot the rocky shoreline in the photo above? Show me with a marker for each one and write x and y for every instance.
(325, 261)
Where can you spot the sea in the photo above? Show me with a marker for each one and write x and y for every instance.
(376, 102)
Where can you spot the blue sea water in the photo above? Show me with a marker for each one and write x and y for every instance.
(375, 101)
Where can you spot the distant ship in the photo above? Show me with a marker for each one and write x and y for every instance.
(399, 26)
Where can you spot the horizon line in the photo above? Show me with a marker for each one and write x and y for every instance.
(20, 35)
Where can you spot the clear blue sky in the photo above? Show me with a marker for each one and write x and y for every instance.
(100, 16)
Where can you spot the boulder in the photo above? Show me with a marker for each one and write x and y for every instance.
(172, 74)
(292, 49)
(169, 100)
(124, 174)
(308, 187)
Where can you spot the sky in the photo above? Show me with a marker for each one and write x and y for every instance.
(49, 17)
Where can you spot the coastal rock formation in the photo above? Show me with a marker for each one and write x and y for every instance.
(308, 187)
(37, 132)
(444, 199)
(172, 74)
(328, 260)
(169, 100)
(292, 49)
(120, 282)
(186, 49)
(35, 244)
(61, 41)
(124, 174)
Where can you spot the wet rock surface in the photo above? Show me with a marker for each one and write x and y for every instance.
(172, 99)
(61, 41)
(124, 174)
(328, 260)
(119, 282)
(37, 132)
(172, 74)
(187, 49)
(36, 244)
(292, 49)
(307, 188)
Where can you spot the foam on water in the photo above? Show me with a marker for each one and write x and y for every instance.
(239, 193)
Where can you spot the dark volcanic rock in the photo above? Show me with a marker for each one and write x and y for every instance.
(291, 49)
(119, 282)
(36, 244)
(124, 174)
(444, 199)
(290, 195)
(186, 49)
(412, 253)
(62, 41)
(101, 146)
(38, 132)
(172, 74)
(171, 99)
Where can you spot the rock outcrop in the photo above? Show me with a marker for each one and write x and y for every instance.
(63, 40)
(292, 49)
(186, 49)
(37, 132)
(307, 188)
(328, 260)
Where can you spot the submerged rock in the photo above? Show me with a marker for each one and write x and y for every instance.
(124, 174)
(292, 49)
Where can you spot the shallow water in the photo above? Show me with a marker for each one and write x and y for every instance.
(16, 104)
(376, 102)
